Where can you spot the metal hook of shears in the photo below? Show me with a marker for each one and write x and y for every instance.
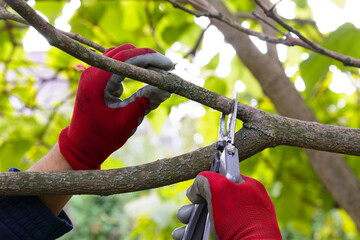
(229, 158)
(229, 134)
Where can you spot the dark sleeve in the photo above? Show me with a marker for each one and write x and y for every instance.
(5, 233)
(28, 218)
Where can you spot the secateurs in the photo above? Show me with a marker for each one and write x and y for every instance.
(225, 162)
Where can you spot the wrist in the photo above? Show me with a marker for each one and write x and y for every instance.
(53, 161)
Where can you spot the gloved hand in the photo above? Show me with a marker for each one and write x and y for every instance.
(237, 210)
(101, 122)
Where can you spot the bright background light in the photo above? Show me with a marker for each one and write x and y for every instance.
(34, 42)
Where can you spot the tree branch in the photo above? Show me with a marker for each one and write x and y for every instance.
(129, 179)
(250, 16)
(346, 60)
(232, 23)
(193, 51)
(261, 130)
(5, 15)
(289, 40)
(304, 134)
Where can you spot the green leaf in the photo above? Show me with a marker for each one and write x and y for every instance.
(57, 59)
(157, 118)
(300, 3)
(92, 13)
(5, 45)
(172, 33)
(240, 72)
(207, 126)
(245, 6)
(51, 9)
(339, 3)
(12, 152)
(81, 26)
(214, 62)
(314, 69)
(112, 15)
(216, 85)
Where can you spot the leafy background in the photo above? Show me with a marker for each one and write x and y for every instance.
(37, 95)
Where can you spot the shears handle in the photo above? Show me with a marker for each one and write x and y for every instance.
(196, 223)
(195, 228)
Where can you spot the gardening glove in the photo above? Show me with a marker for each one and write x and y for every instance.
(237, 210)
(101, 122)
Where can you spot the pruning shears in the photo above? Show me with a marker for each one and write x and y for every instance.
(225, 162)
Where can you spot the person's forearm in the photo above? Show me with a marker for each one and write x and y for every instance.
(53, 161)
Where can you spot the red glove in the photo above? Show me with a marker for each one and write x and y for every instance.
(237, 210)
(101, 122)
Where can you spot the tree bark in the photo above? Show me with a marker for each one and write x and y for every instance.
(263, 131)
(129, 179)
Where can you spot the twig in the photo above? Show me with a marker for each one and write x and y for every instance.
(268, 23)
(152, 27)
(231, 23)
(5, 15)
(244, 15)
(197, 44)
(288, 41)
(250, 16)
(346, 60)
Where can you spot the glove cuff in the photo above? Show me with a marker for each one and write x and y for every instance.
(71, 154)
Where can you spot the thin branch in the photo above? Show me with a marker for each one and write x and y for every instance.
(250, 16)
(197, 44)
(84, 40)
(256, 15)
(346, 60)
(231, 23)
(152, 27)
(5, 15)
(289, 40)
(244, 15)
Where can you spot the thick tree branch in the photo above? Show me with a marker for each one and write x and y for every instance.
(304, 134)
(105, 182)
(288, 39)
(129, 179)
(261, 130)
(253, 138)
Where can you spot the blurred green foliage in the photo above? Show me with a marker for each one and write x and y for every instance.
(38, 89)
